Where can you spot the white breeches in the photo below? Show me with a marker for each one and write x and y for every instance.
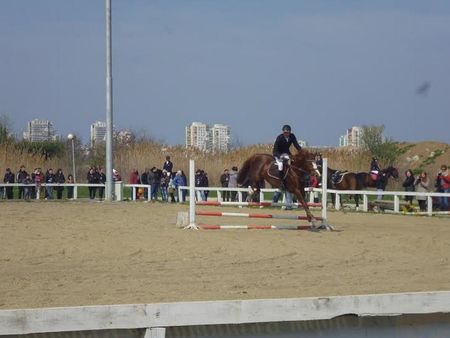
(279, 163)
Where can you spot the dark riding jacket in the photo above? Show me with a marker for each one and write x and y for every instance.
(282, 145)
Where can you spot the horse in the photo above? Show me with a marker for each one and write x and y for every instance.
(256, 169)
(368, 182)
(347, 181)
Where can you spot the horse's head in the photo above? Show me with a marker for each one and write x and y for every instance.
(391, 171)
(305, 161)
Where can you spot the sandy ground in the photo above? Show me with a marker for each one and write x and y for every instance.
(82, 253)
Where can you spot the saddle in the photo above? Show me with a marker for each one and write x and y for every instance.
(338, 176)
(272, 171)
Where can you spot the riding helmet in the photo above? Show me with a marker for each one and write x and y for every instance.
(286, 127)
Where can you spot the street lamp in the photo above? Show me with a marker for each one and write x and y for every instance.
(71, 137)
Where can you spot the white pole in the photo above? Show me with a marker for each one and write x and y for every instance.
(109, 105)
(192, 224)
(324, 190)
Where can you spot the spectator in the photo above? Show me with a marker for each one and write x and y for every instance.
(60, 179)
(116, 176)
(8, 179)
(179, 181)
(168, 165)
(154, 179)
(38, 178)
(70, 189)
(314, 184)
(199, 183)
(92, 178)
(224, 179)
(49, 179)
(101, 180)
(172, 188)
(183, 184)
(443, 185)
(20, 178)
(165, 179)
(144, 180)
(133, 180)
(423, 184)
(408, 184)
(27, 188)
(232, 183)
(205, 184)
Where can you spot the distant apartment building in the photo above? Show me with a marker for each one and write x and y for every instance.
(352, 138)
(40, 130)
(98, 133)
(219, 136)
(216, 138)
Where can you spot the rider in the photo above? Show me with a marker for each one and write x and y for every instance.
(281, 150)
(375, 168)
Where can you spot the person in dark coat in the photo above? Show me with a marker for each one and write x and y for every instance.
(168, 165)
(281, 150)
(408, 184)
(9, 178)
(59, 178)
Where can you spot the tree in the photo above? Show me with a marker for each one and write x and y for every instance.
(5, 130)
(374, 142)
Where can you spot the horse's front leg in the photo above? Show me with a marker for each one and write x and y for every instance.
(302, 201)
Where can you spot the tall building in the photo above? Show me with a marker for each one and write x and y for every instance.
(40, 130)
(197, 136)
(219, 136)
(98, 132)
(216, 138)
(353, 138)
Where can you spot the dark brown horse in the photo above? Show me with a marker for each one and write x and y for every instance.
(256, 169)
(359, 181)
(347, 181)
(367, 180)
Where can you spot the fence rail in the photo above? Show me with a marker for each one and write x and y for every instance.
(240, 193)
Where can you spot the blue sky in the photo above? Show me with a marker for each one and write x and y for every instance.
(321, 66)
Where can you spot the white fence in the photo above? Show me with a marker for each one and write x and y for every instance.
(240, 192)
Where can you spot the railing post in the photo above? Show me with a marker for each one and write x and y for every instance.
(155, 332)
(429, 205)
(365, 203)
(396, 204)
(219, 196)
(75, 191)
(261, 196)
(324, 190)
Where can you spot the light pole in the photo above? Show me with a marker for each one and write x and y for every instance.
(71, 137)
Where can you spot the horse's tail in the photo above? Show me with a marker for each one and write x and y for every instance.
(243, 178)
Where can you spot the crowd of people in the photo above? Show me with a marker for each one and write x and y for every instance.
(32, 188)
(423, 183)
(163, 184)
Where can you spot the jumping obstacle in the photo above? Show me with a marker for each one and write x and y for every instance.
(257, 204)
(255, 227)
(238, 214)
(313, 227)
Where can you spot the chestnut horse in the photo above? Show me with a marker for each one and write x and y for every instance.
(256, 170)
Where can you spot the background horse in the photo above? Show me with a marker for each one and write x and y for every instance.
(348, 181)
(368, 182)
(256, 169)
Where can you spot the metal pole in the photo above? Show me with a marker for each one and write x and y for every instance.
(109, 105)
(73, 162)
